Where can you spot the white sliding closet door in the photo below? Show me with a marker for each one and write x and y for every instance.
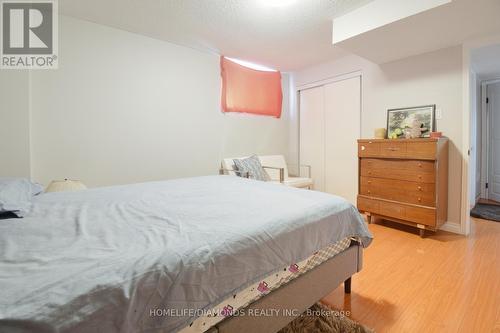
(312, 133)
(330, 119)
(342, 129)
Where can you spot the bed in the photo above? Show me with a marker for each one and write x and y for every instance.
(162, 256)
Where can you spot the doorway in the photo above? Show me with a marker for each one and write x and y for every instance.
(484, 160)
(492, 127)
(488, 205)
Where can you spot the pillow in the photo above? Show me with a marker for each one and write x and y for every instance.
(16, 195)
(252, 166)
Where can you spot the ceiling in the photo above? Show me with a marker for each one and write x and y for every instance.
(285, 38)
(486, 62)
(445, 26)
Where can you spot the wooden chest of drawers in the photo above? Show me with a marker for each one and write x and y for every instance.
(404, 181)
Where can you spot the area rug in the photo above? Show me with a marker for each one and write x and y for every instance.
(321, 319)
(486, 211)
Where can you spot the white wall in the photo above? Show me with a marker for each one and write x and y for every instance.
(125, 108)
(479, 134)
(476, 138)
(431, 78)
(14, 124)
(473, 134)
(293, 124)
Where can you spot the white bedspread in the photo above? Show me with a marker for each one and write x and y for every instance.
(100, 260)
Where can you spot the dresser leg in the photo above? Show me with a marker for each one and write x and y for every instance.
(422, 232)
(347, 286)
(369, 218)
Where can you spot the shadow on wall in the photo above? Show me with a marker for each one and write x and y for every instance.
(426, 66)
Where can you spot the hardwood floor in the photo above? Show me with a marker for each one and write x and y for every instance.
(441, 283)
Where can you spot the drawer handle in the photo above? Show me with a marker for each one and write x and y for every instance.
(419, 177)
(363, 148)
(392, 149)
(369, 192)
(369, 172)
(419, 165)
(369, 182)
(420, 188)
(419, 199)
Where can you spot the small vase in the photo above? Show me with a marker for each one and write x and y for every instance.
(380, 133)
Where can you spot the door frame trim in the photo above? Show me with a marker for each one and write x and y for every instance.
(484, 140)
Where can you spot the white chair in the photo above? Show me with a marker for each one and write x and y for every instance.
(276, 168)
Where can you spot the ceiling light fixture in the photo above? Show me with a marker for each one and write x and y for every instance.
(278, 3)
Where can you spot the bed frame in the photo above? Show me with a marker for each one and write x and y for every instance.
(300, 294)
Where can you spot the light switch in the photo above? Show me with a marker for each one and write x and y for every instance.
(439, 114)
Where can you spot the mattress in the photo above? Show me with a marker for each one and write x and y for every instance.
(233, 303)
(101, 260)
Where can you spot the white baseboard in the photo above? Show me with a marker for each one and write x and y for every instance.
(452, 227)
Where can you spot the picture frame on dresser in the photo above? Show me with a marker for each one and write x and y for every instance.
(401, 120)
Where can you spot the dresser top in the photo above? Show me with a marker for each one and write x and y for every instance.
(404, 140)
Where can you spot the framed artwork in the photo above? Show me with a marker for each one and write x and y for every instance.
(410, 123)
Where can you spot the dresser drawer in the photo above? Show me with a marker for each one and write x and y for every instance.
(422, 150)
(392, 209)
(393, 149)
(399, 190)
(368, 205)
(368, 149)
(413, 149)
(421, 215)
(398, 211)
(410, 170)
